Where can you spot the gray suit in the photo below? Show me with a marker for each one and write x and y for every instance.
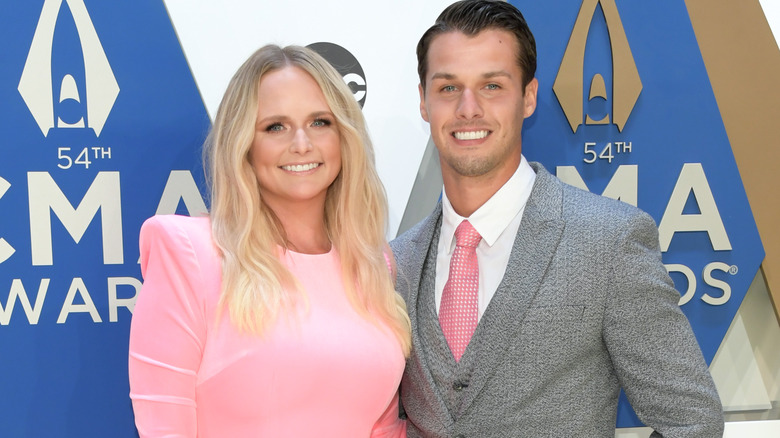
(585, 308)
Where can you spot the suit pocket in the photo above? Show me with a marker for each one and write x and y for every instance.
(560, 328)
(553, 337)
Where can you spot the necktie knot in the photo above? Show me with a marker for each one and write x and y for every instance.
(466, 235)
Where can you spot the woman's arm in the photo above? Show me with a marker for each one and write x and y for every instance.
(389, 425)
(167, 332)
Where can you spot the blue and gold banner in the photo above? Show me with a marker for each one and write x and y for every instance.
(102, 125)
(626, 110)
(104, 107)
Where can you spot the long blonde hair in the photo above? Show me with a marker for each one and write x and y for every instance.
(255, 284)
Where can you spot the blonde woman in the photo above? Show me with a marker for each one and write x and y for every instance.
(276, 315)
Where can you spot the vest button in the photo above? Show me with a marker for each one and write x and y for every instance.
(458, 385)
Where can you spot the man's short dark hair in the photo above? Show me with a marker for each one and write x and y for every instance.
(471, 17)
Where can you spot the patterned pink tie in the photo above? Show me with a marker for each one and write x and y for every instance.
(460, 299)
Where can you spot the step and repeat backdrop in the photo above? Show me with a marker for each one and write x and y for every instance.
(104, 107)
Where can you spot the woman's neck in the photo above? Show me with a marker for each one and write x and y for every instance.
(305, 229)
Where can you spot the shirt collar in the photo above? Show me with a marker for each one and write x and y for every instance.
(492, 218)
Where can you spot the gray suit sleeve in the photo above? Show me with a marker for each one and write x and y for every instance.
(651, 343)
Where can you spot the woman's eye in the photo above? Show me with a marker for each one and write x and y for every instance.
(321, 123)
(275, 127)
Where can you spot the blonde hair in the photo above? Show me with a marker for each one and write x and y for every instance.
(255, 284)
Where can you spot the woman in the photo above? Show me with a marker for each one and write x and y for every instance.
(275, 316)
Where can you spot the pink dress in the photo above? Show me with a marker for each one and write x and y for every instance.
(322, 371)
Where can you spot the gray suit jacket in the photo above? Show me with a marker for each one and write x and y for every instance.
(585, 307)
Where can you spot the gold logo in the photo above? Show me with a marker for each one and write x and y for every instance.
(626, 85)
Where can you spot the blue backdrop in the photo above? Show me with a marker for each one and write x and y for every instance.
(673, 140)
(103, 124)
(75, 198)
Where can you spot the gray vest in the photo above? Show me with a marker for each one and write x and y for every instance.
(450, 377)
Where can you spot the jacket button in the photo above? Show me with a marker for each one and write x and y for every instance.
(458, 385)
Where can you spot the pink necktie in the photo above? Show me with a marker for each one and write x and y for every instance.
(460, 299)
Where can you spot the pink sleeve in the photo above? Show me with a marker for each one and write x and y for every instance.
(167, 332)
(389, 425)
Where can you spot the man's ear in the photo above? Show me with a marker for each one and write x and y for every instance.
(530, 98)
(423, 111)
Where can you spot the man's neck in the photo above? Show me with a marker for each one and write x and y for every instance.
(467, 194)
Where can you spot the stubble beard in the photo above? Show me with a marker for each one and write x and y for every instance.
(473, 166)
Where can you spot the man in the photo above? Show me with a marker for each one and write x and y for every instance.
(532, 302)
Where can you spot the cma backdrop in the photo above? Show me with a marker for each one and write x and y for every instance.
(104, 107)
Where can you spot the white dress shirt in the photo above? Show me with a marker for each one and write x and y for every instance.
(497, 221)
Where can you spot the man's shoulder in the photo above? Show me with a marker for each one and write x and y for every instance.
(575, 197)
(408, 238)
(580, 206)
(603, 219)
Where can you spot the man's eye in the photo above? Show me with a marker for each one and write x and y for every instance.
(448, 88)
(493, 87)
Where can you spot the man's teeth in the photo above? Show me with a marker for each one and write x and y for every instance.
(470, 135)
(301, 167)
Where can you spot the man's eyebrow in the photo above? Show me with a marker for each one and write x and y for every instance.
(498, 73)
(487, 75)
(445, 76)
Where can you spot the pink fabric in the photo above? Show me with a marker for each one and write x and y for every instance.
(458, 313)
(321, 371)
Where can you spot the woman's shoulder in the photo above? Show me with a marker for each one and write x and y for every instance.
(177, 236)
(176, 229)
(171, 224)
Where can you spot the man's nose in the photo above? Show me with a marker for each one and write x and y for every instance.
(468, 105)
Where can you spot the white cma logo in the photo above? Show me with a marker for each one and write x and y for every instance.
(36, 87)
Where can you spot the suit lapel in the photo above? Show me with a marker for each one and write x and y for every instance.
(535, 245)
(418, 363)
